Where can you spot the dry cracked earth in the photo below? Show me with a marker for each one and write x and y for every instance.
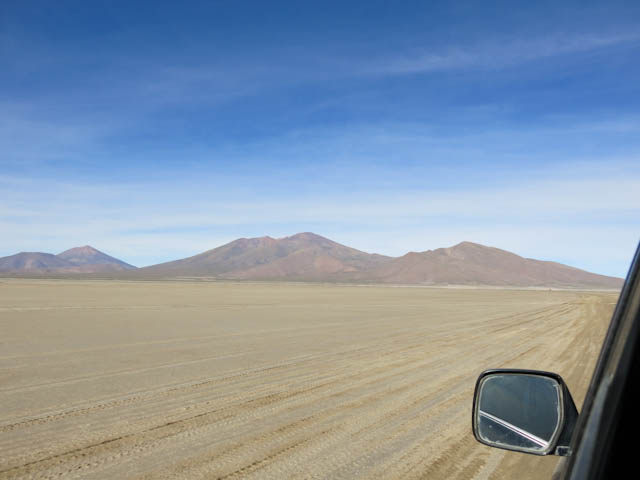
(146, 380)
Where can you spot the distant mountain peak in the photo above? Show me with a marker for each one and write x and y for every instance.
(85, 249)
(88, 255)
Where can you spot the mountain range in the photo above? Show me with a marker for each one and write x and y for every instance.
(313, 258)
(75, 260)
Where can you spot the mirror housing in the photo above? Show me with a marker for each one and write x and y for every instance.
(526, 411)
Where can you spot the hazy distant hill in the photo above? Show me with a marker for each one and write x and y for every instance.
(76, 260)
(310, 257)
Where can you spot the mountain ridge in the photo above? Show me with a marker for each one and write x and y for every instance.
(307, 256)
(85, 259)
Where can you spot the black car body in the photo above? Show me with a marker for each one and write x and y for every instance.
(532, 411)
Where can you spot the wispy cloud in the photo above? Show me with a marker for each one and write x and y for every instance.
(502, 53)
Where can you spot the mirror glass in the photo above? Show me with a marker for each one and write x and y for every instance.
(518, 411)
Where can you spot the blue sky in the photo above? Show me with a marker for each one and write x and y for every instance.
(159, 130)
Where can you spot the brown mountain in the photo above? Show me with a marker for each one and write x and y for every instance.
(474, 264)
(310, 257)
(76, 260)
(87, 255)
(304, 256)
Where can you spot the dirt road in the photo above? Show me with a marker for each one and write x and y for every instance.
(221, 380)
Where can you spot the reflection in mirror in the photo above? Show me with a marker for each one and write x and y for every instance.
(519, 411)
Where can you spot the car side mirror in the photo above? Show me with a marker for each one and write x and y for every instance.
(524, 410)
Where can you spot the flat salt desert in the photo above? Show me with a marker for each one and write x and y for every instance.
(110, 379)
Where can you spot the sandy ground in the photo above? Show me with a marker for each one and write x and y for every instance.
(203, 380)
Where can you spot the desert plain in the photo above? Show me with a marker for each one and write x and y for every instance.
(193, 379)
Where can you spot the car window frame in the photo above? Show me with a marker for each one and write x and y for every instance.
(597, 423)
